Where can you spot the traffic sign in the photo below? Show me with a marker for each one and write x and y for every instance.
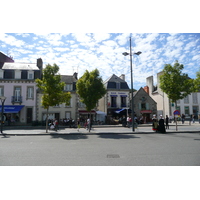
(176, 112)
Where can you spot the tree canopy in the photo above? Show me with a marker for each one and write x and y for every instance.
(52, 88)
(197, 82)
(90, 88)
(174, 83)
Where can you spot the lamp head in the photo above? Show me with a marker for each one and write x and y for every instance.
(125, 54)
(138, 53)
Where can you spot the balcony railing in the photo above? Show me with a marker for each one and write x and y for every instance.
(16, 99)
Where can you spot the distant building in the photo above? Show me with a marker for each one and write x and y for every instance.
(116, 101)
(188, 106)
(144, 105)
(4, 58)
(62, 111)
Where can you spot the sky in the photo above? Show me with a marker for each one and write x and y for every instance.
(78, 52)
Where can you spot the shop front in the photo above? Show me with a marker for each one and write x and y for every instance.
(11, 113)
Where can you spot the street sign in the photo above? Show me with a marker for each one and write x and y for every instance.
(176, 112)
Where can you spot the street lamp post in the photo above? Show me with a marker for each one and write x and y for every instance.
(2, 98)
(132, 102)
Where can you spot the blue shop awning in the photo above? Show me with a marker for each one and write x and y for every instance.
(118, 111)
(11, 109)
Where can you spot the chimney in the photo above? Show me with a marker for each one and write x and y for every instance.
(122, 77)
(75, 75)
(39, 63)
(146, 89)
(40, 66)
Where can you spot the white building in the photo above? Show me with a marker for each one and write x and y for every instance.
(188, 106)
(17, 84)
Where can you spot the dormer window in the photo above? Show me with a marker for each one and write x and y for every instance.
(1, 73)
(17, 74)
(68, 87)
(30, 75)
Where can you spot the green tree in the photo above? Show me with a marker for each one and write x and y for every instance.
(174, 83)
(90, 88)
(52, 89)
(197, 82)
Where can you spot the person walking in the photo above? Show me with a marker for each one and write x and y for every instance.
(193, 118)
(167, 122)
(128, 122)
(88, 124)
(183, 118)
(56, 124)
(161, 127)
(155, 123)
(78, 124)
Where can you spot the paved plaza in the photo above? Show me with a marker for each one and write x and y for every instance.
(102, 129)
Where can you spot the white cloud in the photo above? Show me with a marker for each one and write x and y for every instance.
(9, 39)
(99, 37)
(197, 57)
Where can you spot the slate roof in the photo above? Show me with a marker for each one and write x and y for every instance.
(20, 66)
(110, 83)
(68, 78)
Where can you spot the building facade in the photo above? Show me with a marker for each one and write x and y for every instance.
(17, 84)
(144, 106)
(61, 111)
(116, 102)
(188, 106)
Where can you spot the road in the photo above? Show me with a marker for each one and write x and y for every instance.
(172, 149)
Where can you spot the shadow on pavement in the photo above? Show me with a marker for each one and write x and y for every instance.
(117, 136)
(4, 136)
(68, 137)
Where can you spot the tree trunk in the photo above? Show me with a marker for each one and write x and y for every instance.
(47, 119)
(176, 117)
(90, 122)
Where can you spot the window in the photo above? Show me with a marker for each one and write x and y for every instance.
(123, 101)
(1, 73)
(17, 74)
(113, 101)
(68, 115)
(186, 99)
(195, 110)
(187, 112)
(30, 75)
(194, 98)
(111, 85)
(178, 108)
(30, 92)
(17, 94)
(68, 87)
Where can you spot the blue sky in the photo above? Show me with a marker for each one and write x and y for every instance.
(76, 52)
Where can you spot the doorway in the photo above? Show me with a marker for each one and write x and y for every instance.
(29, 114)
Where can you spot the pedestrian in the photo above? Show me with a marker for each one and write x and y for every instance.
(56, 124)
(183, 118)
(78, 124)
(128, 122)
(193, 118)
(161, 127)
(155, 123)
(167, 122)
(88, 124)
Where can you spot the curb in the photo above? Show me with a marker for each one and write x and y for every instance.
(92, 133)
